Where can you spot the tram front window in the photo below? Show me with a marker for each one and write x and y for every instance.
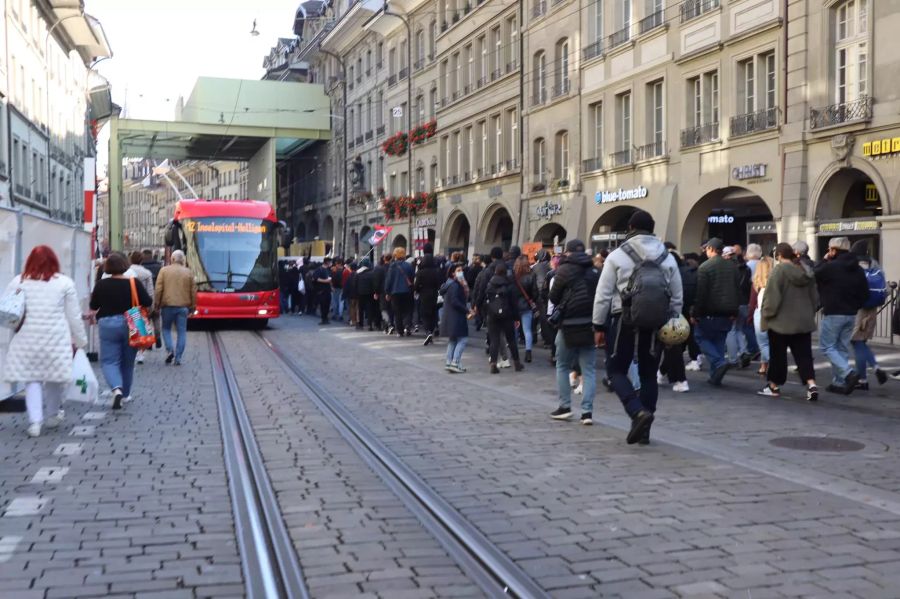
(231, 254)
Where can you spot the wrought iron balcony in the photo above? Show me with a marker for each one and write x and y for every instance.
(619, 37)
(691, 9)
(379, 64)
(369, 135)
(539, 9)
(539, 98)
(620, 158)
(392, 80)
(593, 50)
(351, 144)
(701, 134)
(511, 66)
(651, 22)
(404, 73)
(592, 164)
(350, 85)
(359, 139)
(495, 74)
(752, 122)
(836, 114)
(561, 88)
(379, 130)
(482, 81)
(650, 151)
(555, 2)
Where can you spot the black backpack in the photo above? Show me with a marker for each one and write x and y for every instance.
(645, 301)
(498, 304)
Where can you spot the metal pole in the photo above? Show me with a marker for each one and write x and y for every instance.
(345, 195)
(409, 152)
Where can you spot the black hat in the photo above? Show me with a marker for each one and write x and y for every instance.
(641, 221)
(714, 243)
(574, 245)
(496, 253)
(428, 248)
(514, 252)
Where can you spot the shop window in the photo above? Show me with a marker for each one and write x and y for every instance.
(562, 157)
(539, 161)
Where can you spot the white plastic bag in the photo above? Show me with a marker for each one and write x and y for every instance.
(84, 385)
(301, 286)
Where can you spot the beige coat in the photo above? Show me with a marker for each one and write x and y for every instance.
(175, 287)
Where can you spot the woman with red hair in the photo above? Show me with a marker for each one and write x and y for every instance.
(40, 353)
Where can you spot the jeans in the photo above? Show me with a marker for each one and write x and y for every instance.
(36, 393)
(455, 348)
(337, 303)
(527, 318)
(116, 356)
(566, 357)
(864, 358)
(178, 316)
(834, 340)
(622, 341)
(762, 337)
(711, 332)
(737, 341)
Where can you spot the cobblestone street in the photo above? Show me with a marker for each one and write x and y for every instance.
(136, 503)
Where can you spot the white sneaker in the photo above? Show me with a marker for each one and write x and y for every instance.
(573, 382)
(55, 421)
(140, 358)
(681, 387)
(127, 399)
(693, 365)
(660, 378)
(34, 430)
(700, 360)
(579, 389)
(504, 364)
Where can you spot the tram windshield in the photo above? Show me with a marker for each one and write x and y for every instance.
(229, 254)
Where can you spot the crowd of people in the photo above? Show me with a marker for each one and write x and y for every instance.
(737, 307)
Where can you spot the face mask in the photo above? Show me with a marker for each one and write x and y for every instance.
(460, 275)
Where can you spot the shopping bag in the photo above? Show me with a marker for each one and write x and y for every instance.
(140, 325)
(84, 386)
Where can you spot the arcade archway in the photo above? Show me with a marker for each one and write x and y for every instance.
(848, 206)
(457, 234)
(498, 228)
(313, 229)
(328, 228)
(301, 232)
(550, 235)
(399, 242)
(610, 229)
(735, 215)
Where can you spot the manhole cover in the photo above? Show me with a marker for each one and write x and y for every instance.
(817, 444)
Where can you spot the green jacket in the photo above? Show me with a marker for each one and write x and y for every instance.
(790, 302)
(718, 288)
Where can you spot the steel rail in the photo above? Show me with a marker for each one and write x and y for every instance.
(477, 556)
(268, 560)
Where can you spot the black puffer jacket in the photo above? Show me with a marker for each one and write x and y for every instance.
(501, 285)
(718, 287)
(481, 283)
(527, 284)
(573, 288)
(843, 288)
(428, 282)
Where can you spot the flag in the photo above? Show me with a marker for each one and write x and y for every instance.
(380, 233)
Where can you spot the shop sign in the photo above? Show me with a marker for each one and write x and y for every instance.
(749, 171)
(852, 225)
(720, 219)
(881, 147)
(548, 210)
(620, 195)
(428, 221)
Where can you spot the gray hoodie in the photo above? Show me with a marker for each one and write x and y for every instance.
(617, 271)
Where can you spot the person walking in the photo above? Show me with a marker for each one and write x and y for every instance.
(525, 292)
(571, 291)
(111, 299)
(762, 271)
(866, 317)
(454, 317)
(639, 291)
(322, 284)
(145, 278)
(843, 290)
(715, 307)
(788, 314)
(339, 276)
(738, 342)
(149, 261)
(398, 288)
(349, 295)
(502, 315)
(672, 366)
(40, 351)
(176, 299)
(386, 317)
(365, 295)
(427, 283)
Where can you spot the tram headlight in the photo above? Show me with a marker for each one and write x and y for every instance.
(262, 312)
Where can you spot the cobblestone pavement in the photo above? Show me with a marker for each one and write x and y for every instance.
(352, 535)
(711, 508)
(133, 504)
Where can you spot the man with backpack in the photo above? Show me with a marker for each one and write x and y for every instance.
(571, 292)
(639, 291)
(502, 315)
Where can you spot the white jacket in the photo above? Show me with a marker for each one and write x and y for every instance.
(42, 349)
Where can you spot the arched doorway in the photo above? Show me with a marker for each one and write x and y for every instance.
(848, 206)
(313, 229)
(457, 236)
(399, 242)
(550, 235)
(498, 228)
(610, 229)
(328, 229)
(733, 214)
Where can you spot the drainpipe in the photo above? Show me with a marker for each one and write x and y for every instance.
(522, 217)
(344, 194)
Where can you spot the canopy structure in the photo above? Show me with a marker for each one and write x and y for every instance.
(259, 122)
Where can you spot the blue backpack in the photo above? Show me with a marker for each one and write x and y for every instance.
(877, 288)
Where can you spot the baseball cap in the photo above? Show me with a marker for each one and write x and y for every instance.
(714, 243)
(728, 250)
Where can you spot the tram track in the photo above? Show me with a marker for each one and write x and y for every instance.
(269, 563)
(482, 561)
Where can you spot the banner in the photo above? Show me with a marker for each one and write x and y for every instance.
(380, 233)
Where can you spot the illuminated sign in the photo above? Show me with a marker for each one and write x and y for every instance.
(749, 171)
(720, 219)
(882, 147)
(853, 225)
(226, 227)
(620, 195)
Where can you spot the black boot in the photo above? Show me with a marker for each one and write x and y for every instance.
(528, 355)
(645, 439)
(640, 423)
(494, 369)
(518, 366)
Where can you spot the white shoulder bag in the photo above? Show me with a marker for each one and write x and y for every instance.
(12, 309)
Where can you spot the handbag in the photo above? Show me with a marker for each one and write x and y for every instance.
(140, 326)
(12, 309)
(535, 309)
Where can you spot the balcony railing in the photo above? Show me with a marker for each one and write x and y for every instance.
(619, 37)
(752, 122)
(482, 81)
(691, 9)
(369, 135)
(351, 144)
(593, 50)
(404, 73)
(701, 134)
(620, 158)
(650, 151)
(511, 66)
(836, 114)
(379, 130)
(392, 80)
(359, 139)
(651, 22)
(561, 88)
(539, 9)
(350, 85)
(419, 64)
(592, 164)
(539, 98)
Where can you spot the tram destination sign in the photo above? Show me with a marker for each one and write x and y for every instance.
(621, 195)
(225, 227)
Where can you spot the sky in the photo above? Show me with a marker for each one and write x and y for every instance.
(161, 47)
